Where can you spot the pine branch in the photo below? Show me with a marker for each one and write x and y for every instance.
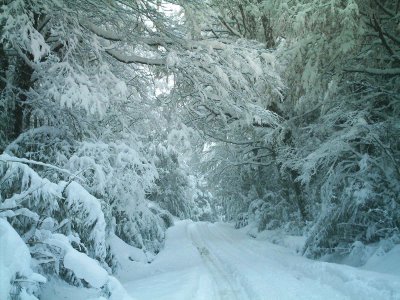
(7, 158)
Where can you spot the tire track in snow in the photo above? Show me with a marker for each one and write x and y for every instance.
(231, 257)
(197, 292)
(228, 284)
(223, 288)
(239, 249)
(324, 274)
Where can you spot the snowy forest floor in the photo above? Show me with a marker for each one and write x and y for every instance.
(214, 261)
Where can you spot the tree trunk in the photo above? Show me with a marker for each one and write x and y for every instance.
(22, 112)
(299, 197)
(266, 22)
(4, 124)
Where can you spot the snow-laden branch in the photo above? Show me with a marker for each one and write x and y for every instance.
(8, 158)
(133, 58)
(111, 36)
(149, 41)
(21, 53)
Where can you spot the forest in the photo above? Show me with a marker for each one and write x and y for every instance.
(120, 117)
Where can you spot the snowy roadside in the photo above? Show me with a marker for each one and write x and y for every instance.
(214, 261)
(383, 257)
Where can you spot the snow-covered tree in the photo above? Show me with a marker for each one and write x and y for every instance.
(339, 63)
(282, 114)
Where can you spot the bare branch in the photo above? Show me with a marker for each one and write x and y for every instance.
(378, 28)
(230, 29)
(132, 58)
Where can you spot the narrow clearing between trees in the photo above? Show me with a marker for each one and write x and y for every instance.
(214, 261)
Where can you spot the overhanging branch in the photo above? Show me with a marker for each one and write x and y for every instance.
(111, 36)
(132, 58)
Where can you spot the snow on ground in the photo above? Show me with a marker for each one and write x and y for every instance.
(60, 290)
(15, 261)
(385, 262)
(214, 261)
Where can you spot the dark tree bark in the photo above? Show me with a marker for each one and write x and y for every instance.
(268, 34)
(23, 81)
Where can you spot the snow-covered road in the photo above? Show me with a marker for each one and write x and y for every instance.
(214, 261)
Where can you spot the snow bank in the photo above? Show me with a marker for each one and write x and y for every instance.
(118, 292)
(278, 237)
(385, 262)
(59, 289)
(14, 259)
(125, 253)
(85, 268)
(79, 263)
(88, 269)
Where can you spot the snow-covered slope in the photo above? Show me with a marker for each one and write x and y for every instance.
(214, 261)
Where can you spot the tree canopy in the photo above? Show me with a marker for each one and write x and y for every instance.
(118, 116)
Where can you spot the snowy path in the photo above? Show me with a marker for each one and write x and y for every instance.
(214, 261)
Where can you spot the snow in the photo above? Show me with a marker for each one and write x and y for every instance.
(14, 260)
(125, 253)
(214, 261)
(88, 208)
(117, 290)
(291, 242)
(85, 268)
(57, 289)
(385, 262)
(172, 59)
(25, 296)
